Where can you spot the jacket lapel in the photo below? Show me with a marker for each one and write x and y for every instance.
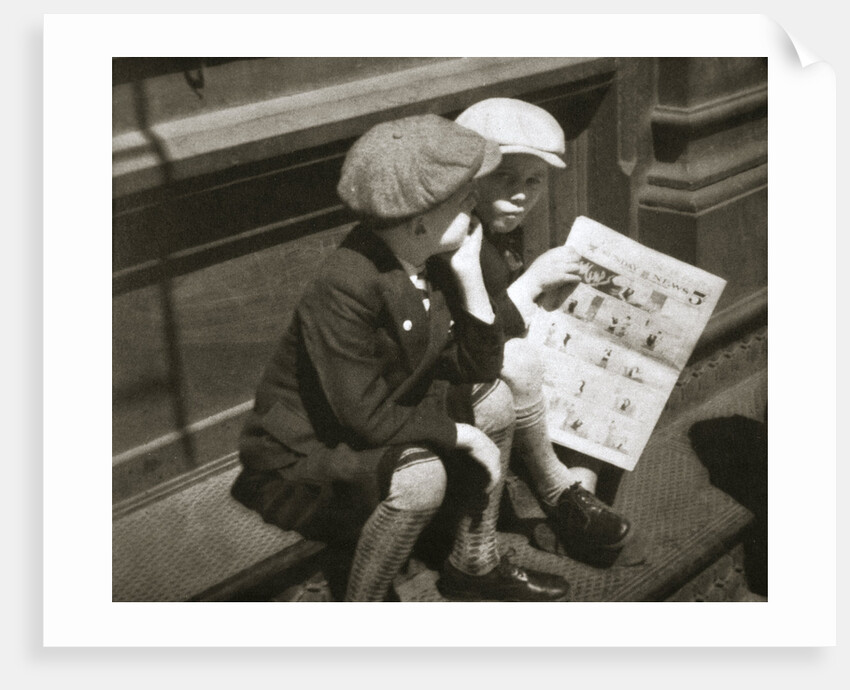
(412, 324)
(407, 314)
(440, 323)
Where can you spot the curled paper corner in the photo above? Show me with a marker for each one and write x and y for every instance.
(802, 52)
(806, 56)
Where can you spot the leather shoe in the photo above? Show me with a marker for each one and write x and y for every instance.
(589, 530)
(582, 517)
(632, 553)
(506, 582)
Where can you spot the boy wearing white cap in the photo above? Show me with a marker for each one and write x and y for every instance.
(353, 435)
(531, 141)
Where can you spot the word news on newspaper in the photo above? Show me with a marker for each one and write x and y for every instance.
(615, 345)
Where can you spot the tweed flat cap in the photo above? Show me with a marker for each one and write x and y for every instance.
(517, 127)
(402, 168)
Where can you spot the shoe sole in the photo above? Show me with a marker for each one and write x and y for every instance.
(471, 596)
(596, 555)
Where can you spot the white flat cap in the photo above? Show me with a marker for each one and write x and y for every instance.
(517, 127)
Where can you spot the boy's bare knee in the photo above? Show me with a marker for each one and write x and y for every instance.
(495, 412)
(421, 486)
(522, 369)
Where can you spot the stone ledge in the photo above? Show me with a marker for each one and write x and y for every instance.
(171, 151)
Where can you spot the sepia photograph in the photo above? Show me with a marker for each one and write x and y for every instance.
(327, 278)
(364, 312)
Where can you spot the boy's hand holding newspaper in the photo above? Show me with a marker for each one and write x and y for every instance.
(554, 268)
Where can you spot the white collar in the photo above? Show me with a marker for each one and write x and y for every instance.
(412, 271)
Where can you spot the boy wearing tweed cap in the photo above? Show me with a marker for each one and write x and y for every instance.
(354, 435)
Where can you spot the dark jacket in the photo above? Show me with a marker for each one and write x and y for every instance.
(501, 265)
(363, 368)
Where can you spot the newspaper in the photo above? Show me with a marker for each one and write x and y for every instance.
(614, 344)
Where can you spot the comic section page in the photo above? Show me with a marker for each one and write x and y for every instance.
(615, 343)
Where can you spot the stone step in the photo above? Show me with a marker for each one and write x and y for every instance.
(194, 542)
(691, 528)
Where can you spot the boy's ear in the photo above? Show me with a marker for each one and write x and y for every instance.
(418, 226)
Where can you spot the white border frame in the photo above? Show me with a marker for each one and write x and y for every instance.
(77, 307)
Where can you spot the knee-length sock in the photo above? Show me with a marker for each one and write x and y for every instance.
(385, 544)
(533, 445)
(475, 550)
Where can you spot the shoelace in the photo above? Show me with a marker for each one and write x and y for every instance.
(507, 566)
(511, 569)
(586, 498)
(583, 501)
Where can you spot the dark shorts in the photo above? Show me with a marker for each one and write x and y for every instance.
(323, 498)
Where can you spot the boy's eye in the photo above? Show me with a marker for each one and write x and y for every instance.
(533, 180)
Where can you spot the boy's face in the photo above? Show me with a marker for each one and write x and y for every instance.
(508, 193)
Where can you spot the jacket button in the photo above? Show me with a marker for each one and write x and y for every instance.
(407, 325)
